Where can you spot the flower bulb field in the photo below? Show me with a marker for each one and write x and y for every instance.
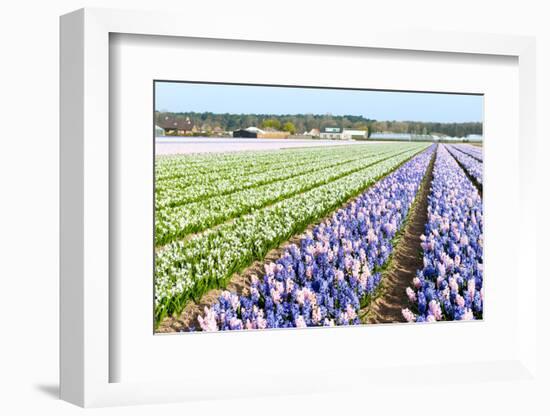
(326, 235)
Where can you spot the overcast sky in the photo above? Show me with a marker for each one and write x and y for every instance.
(379, 105)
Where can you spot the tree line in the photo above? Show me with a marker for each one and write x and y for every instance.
(300, 123)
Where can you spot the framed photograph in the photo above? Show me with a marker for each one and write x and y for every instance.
(292, 208)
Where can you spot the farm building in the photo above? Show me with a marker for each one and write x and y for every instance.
(175, 126)
(331, 133)
(337, 133)
(348, 134)
(312, 133)
(245, 133)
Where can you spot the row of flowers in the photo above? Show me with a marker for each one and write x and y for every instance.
(170, 167)
(334, 270)
(197, 187)
(184, 174)
(188, 268)
(474, 151)
(177, 222)
(450, 285)
(473, 166)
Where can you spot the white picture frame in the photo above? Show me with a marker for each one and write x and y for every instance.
(85, 352)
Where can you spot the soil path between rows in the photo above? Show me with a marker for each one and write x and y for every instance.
(405, 261)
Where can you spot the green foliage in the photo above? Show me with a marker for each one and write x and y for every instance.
(271, 123)
(290, 127)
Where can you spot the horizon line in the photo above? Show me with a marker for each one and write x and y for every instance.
(314, 114)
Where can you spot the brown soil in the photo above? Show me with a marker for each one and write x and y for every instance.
(406, 260)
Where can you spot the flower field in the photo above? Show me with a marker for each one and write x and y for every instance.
(260, 202)
(218, 213)
(333, 272)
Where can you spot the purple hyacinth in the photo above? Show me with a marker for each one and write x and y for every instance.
(472, 165)
(450, 285)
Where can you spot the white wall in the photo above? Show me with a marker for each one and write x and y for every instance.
(29, 185)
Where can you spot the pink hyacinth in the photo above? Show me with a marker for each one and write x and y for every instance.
(371, 236)
(254, 292)
(275, 295)
(342, 230)
(270, 269)
(254, 279)
(300, 322)
(416, 282)
(316, 315)
(408, 315)
(289, 283)
(348, 262)
(457, 260)
(235, 301)
(447, 261)
(410, 294)
(261, 323)
(453, 284)
(208, 322)
(363, 279)
(471, 288)
(356, 268)
(435, 309)
(441, 270)
(310, 296)
(235, 323)
(468, 315)
(350, 311)
(460, 301)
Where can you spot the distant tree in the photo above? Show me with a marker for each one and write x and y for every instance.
(306, 122)
(290, 127)
(272, 123)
